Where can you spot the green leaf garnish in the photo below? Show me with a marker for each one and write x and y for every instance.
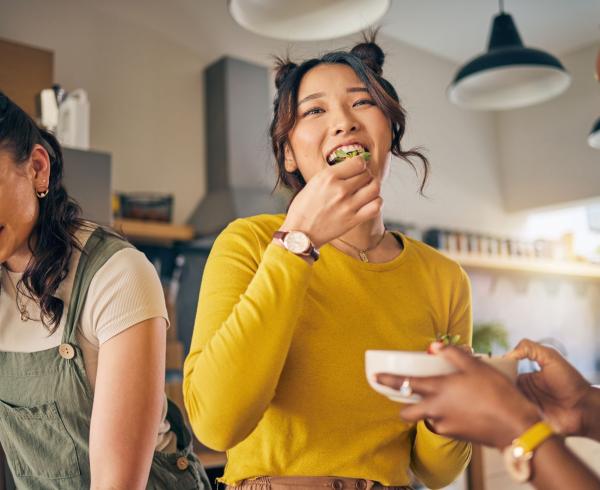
(448, 339)
(341, 155)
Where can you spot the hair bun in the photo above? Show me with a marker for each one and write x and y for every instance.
(371, 55)
(283, 67)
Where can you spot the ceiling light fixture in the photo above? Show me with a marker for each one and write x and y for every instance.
(508, 75)
(594, 137)
(307, 20)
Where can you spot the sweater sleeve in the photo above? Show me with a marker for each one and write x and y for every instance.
(437, 460)
(250, 300)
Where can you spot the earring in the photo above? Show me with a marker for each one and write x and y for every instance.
(42, 194)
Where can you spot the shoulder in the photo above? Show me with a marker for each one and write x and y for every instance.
(254, 232)
(128, 261)
(124, 291)
(260, 226)
(433, 259)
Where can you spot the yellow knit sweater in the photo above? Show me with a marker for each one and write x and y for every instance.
(275, 373)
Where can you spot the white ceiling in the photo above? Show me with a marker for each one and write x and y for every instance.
(459, 29)
(453, 29)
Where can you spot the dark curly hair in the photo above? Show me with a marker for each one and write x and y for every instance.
(53, 238)
(366, 59)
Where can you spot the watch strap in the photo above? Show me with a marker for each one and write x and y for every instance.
(517, 456)
(531, 439)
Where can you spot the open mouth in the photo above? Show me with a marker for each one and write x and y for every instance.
(347, 151)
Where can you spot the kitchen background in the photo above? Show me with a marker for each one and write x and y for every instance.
(522, 174)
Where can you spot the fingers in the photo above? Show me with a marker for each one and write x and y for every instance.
(391, 380)
(459, 357)
(421, 386)
(414, 413)
(365, 194)
(368, 211)
(349, 168)
(356, 182)
(528, 349)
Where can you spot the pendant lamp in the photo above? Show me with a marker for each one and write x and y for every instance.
(508, 75)
(307, 20)
(594, 137)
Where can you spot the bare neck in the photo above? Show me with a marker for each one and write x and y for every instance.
(19, 261)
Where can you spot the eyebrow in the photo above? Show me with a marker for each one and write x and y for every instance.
(317, 95)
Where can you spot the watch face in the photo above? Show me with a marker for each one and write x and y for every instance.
(296, 242)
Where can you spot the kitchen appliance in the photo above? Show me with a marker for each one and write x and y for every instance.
(73, 128)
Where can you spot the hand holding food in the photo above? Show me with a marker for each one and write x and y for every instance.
(335, 200)
(476, 403)
(558, 389)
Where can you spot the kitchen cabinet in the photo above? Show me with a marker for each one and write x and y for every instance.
(25, 71)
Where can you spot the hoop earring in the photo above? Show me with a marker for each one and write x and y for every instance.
(41, 195)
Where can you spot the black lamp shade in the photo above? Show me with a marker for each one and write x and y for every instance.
(594, 137)
(508, 75)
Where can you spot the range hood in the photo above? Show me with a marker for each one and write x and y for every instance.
(240, 172)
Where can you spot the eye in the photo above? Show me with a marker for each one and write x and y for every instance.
(364, 102)
(313, 110)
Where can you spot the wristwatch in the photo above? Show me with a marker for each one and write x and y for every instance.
(517, 456)
(297, 242)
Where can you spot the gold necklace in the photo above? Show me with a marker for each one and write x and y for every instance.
(20, 305)
(362, 252)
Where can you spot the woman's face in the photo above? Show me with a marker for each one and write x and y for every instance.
(336, 110)
(19, 207)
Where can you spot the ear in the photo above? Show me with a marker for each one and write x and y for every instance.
(290, 159)
(40, 168)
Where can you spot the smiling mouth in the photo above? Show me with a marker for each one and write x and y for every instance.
(347, 151)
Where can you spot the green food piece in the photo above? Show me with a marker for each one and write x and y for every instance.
(341, 155)
(448, 339)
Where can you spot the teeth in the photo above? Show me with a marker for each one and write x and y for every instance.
(345, 148)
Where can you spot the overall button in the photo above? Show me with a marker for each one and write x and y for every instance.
(182, 463)
(360, 484)
(337, 484)
(66, 351)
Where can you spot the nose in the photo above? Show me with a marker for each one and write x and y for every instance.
(344, 122)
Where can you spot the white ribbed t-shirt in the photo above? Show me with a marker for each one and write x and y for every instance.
(125, 291)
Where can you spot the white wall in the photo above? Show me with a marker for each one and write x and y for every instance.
(545, 158)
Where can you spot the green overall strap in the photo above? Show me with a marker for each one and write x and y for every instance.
(100, 246)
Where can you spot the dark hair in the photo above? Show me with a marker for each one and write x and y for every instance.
(366, 59)
(58, 219)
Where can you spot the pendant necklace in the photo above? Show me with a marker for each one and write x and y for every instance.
(362, 252)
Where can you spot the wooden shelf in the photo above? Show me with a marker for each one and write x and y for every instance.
(153, 231)
(556, 268)
(211, 459)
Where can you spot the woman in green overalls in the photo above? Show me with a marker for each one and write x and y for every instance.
(82, 339)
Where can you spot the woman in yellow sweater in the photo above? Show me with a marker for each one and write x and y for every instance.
(289, 303)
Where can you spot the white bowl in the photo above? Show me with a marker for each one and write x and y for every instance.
(508, 367)
(403, 363)
(420, 364)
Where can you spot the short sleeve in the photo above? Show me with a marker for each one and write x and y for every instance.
(125, 291)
